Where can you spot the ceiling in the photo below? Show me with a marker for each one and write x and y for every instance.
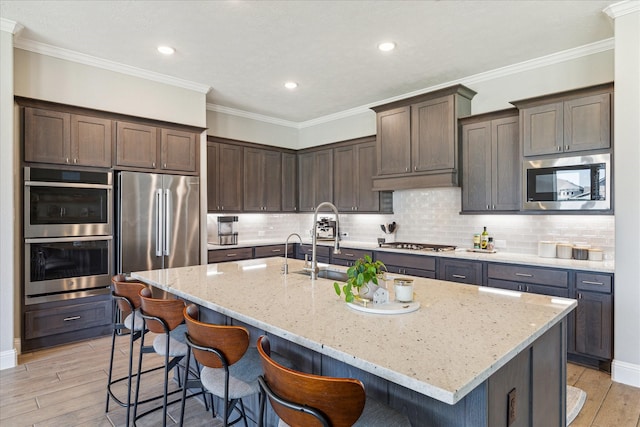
(246, 50)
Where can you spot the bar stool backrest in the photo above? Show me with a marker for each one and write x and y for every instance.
(341, 400)
(231, 341)
(129, 290)
(169, 310)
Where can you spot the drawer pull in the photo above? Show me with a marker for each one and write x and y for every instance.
(348, 254)
(68, 319)
(589, 282)
(458, 276)
(275, 250)
(231, 255)
(524, 275)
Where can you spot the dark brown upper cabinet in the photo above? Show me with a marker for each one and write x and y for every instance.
(354, 167)
(491, 162)
(143, 146)
(262, 180)
(417, 139)
(289, 182)
(224, 177)
(315, 178)
(566, 122)
(59, 137)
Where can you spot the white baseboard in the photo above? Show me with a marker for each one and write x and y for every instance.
(625, 373)
(8, 359)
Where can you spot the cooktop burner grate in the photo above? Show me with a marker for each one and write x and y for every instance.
(418, 246)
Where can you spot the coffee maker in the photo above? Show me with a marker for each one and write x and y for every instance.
(325, 229)
(226, 230)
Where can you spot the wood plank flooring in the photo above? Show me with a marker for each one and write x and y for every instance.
(66, 386)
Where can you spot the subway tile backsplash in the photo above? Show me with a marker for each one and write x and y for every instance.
(433, 216)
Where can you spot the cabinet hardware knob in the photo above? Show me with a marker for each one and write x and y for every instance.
(164, 166)
(275, 250)
(347, 254)
(406, 169)
(68, 319)
(75, 161)
(458, 276)
(231, 255)
(566, 147)
(415, 168)
(153, 164)
(524, 275)
(66, 160)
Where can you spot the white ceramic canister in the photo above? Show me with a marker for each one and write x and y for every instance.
(595, 255)
(547, 249)
(564, 250)
(403, 288)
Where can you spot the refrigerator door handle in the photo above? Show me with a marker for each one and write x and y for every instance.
(159, 220)
(167, 222)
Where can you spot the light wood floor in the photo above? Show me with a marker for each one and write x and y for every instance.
(66, 386)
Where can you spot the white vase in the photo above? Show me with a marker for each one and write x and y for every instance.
(367, 290)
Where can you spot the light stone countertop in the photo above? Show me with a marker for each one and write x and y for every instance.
(459, 337)
(607, 266)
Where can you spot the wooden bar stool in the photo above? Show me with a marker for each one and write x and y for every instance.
(230, 368)
(165, 318)
(301, 399)
(127, 301)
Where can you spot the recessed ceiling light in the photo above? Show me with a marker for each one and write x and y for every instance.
(166, 50)
(291, 85)
(386, 46)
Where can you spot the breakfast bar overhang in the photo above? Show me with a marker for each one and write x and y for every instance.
(471, 355)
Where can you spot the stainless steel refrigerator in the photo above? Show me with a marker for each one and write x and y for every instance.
(158, 221)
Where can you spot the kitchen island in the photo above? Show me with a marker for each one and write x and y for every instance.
(455, 361)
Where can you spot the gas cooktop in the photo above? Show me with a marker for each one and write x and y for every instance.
(418, 246)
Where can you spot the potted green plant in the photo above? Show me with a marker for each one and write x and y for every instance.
(363, 272)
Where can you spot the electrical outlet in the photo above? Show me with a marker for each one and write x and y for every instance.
(344, 234)
(501, 244)
(511, 407)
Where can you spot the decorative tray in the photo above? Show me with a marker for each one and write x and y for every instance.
(392, 307)
(484, 251)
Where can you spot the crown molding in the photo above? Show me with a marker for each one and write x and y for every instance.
(622, 8)
(81, 58)
(253, 116)
(9, 26)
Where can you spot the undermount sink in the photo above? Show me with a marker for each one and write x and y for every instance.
(340, 276)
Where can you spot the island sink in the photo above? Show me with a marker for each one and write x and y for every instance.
(339, 276)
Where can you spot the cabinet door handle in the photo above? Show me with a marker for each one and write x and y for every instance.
(153, 164)
(68, 319)
(566, 147)
(524, 275)
(458, 276)
(579, 295)
(589, 282)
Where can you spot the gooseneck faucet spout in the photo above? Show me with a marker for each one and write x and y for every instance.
(285, 267)
(336, 246)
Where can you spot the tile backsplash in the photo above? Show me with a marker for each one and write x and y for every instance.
(433, 216)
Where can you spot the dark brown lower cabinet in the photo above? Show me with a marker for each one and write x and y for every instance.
(272, 250)
(226, 255)
(61, 322)
(453, 270)
(594, 326)
(412, 265)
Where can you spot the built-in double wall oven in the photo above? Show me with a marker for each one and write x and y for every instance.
(68, 231)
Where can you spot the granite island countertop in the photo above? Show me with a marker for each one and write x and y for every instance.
(606, 266)
(460, 336)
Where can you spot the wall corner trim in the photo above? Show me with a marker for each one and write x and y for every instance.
(10, 26)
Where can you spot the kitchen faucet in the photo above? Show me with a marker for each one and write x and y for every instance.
(285, 267)
(336, 246)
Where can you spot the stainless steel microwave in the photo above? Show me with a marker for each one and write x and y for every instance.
(568, 183)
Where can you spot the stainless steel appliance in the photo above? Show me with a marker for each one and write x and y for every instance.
(568, 183)
(158, 221)
(67, 267)
(226, 230)
(59, 202)
(325, 229)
